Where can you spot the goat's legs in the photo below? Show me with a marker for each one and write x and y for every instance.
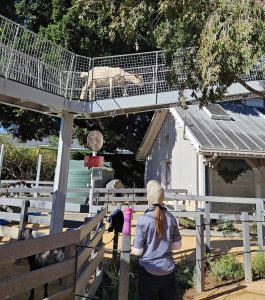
(92, 92)
(45, 290)
(125, 93)
(83, 92)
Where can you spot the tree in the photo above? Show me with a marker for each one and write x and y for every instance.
(225, 39)
(7, 9)
(20, 162)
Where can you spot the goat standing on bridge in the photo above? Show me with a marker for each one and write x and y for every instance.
(41, 260)
(108, 76)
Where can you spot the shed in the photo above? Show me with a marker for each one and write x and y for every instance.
(218, 150)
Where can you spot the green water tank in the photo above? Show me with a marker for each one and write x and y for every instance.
(80, 176)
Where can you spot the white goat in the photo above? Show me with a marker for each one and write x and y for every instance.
(108, 76)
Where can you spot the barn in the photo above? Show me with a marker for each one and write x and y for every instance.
(217, 150)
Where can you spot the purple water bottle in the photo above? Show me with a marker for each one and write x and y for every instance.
(127, 221)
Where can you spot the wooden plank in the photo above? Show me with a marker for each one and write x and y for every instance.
(11, 202)
(212, 198)
(9, 252)
(27, 190)
(233, 217)
(43, 220)
(67, 294)
(87, 251)
(84, 277)
(122, 199)
(9, 216)
(95, 285)
(11, 232)
(23, 217)
(85, 229)
(29, 280)
(44, 204)
(28, 181)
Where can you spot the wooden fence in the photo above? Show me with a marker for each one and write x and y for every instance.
(175, 201)
(32, 210)
(79, 268)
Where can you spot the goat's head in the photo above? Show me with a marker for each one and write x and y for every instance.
(83, 74)
(137, 79)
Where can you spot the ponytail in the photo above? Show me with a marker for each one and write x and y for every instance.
(159, 221)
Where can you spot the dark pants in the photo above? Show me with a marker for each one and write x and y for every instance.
(153, 287)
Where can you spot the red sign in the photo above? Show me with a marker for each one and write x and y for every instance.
(93, 161)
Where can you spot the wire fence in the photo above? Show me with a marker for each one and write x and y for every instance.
(31, 59)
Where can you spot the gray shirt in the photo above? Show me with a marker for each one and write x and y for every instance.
(157, 256)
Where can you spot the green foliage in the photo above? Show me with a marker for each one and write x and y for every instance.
(109, 289)
(253, 227)
(33, 14)
(258, 264)
(187, 223)
(184, 272)
(20, 162)
(226, 267)
(226, 227)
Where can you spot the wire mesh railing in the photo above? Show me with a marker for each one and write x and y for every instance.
(31, 59)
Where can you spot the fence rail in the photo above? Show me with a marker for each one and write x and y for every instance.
(81, 267)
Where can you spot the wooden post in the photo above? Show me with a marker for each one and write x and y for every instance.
(199, 254)
(259, 224)
(207, 226)
(125, 255)
(262, 217)
(23, 217)
(247, 250)
(115, 246)
(61, 173)
(38, 173)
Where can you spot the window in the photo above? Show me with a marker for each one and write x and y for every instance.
(216, 112)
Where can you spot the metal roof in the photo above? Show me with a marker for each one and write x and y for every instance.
(243, 135)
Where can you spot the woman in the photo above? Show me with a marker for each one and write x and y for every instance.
(156, 236)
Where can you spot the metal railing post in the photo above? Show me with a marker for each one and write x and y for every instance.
(156, 71)
(12, 52)
(73, 77)
(69, 74)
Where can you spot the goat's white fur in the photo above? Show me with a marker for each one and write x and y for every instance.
(107, 76)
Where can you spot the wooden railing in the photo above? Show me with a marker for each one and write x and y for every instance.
(81, 262)
(32, 210)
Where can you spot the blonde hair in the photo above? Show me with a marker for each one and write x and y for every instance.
(159, 221)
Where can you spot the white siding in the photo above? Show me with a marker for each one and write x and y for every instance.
(184, 164)
(161, 150)
(170, 145)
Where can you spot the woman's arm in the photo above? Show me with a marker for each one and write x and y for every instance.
(176, 237)
(176, 245)
(138, 244)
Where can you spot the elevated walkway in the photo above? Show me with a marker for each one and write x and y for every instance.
(39, 75)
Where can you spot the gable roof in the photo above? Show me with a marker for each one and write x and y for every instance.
(242, 135)
(151, 133)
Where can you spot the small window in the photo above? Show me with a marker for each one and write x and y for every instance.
(216, 112)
